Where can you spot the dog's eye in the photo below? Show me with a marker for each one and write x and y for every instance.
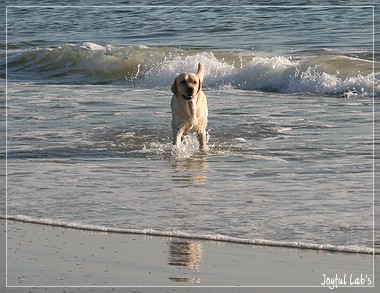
(183, 81)
(194, 82)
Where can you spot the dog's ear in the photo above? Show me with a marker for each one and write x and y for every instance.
(201, 71)
(199, 86)
(174, 87)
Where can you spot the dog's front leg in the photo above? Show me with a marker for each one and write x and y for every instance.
(177, 135)
(202, 141)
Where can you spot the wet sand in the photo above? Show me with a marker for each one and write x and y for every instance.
(40, 256)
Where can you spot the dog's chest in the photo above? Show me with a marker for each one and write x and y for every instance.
(185, 110)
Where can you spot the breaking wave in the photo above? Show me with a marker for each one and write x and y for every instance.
(211, 237)
(323, 73)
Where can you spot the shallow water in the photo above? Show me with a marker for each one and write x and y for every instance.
(281, 167)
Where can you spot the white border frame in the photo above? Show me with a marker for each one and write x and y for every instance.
(188, 6)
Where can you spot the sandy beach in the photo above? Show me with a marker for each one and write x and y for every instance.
(42, 258)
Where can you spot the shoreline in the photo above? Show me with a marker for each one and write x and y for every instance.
(216, 238)
(41, 255)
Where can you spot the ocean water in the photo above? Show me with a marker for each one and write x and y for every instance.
(291, 92)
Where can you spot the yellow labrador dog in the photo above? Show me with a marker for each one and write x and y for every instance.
(189, 107)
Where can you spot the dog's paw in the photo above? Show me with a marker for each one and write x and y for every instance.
(204, 149)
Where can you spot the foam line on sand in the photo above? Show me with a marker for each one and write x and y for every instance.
(40, 255)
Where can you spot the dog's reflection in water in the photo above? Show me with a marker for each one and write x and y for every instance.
(186, 254)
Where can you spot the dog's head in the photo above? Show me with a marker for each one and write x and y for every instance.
(188, 85)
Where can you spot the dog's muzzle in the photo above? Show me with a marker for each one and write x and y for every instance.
(187, 97)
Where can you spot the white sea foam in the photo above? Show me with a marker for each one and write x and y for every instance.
(145, 66)
(209, 237)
